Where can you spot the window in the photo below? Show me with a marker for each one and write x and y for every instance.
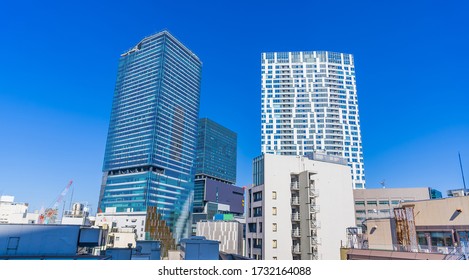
(274, 244)
(257, 196)
(252, 227)
(260, 226)
(257, 243)
(274, 258)
(360, 202)
(257, 211)
(371, 202)
(274, 195)
(274, 227)
(395, 202)
(274, 211)
(384, 202)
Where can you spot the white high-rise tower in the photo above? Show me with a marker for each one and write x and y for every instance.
(309, 104)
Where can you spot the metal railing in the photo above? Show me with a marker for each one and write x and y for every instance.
(314, 208)
(296, 249)
(295, 216)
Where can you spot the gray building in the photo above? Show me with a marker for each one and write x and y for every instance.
(229, 233)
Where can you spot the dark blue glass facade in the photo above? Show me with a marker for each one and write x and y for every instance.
(150, 149)
(216, 171)
(216, 151)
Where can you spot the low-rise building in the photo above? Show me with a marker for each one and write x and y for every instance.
(12, 212)
(425, 229)
(380, 202)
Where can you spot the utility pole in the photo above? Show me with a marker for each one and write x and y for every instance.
(462, 174)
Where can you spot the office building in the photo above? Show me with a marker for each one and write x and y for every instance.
(298, 207)
(215, 176)
(309, 104)
(216, 152)
(150, 148)
(380, 202)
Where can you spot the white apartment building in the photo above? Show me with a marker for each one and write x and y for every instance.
(309, 103)
(298, 208)
(12, 212)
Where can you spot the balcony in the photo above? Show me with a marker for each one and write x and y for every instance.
(295, 232)
(314, 208)
(295, 217)
(294, 186)
(295, 201)
(296, 249)
(315, 241)
(313, 193)
(315, 224)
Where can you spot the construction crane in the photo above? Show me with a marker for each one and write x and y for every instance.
(48, 215)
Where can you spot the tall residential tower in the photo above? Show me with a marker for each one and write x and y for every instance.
(309, 104)
(150, 150)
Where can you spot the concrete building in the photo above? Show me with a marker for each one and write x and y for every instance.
(78, 215)
(426, 229)
(441, 223)
(310, 104)
(151, 142)
(123, 222)
(457, 192)
(228, 233)
(379, 202)
(298, 207)
(12, 212)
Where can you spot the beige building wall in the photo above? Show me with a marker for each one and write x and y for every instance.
(381, 234)
(379, 203)
(452, 211)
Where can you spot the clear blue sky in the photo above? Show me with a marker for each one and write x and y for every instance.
(59, 64)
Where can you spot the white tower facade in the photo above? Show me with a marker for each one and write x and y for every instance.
(309, 104)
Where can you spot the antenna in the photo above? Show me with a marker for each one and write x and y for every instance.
(462, 174)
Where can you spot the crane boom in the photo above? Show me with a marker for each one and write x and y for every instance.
(49, 214)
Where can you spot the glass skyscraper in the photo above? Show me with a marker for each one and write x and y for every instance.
(309, 104)
(150, 149)
(216, 151)
(215, 174)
